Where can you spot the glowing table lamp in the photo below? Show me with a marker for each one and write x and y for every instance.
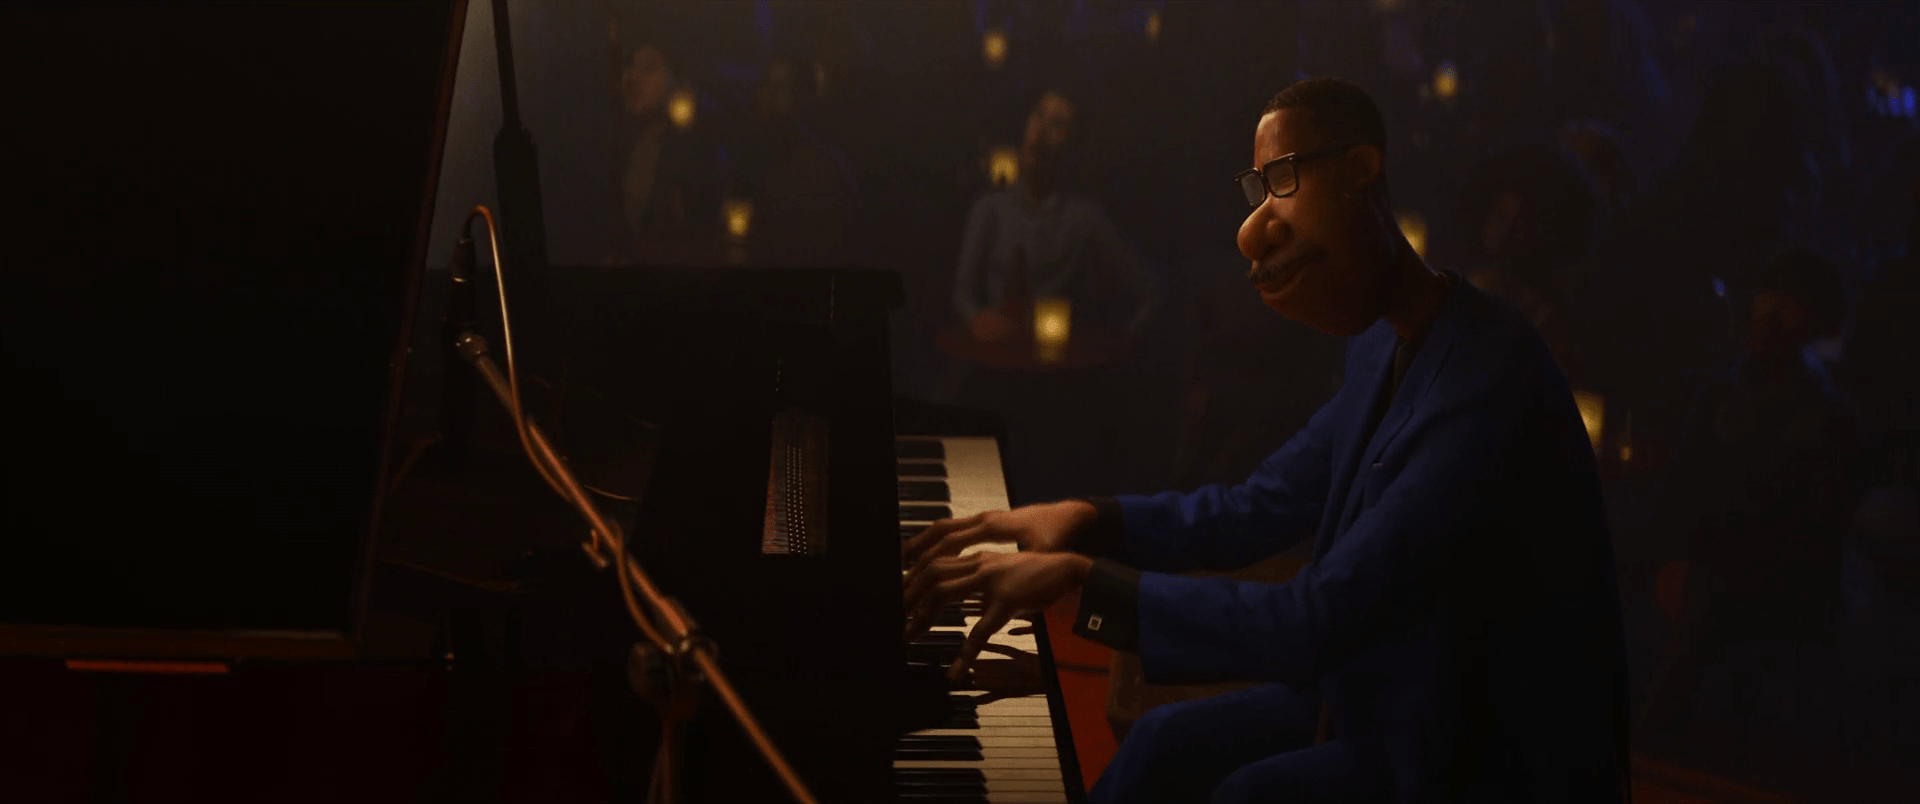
(1003, 166)
(1593, 412)
(1446, 81)
(1052, 323)
(680, 108)
(993, 46)
(739, 215)
(1414, 228)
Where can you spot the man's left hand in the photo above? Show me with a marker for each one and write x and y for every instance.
(1008, 584)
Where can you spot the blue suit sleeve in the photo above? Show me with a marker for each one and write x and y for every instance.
(1222, 527)
(1194, 630)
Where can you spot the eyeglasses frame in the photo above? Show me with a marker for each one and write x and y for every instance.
(1296, 159)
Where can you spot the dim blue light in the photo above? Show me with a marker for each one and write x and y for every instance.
(1719, 288)
(1906, 101)
(763, 19)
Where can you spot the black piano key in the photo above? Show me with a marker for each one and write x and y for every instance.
(940, 638)
(936, 792)
(924, 490)
(963, 703)
(919, 450)
(923, 513)
(933, 653)
(967, 721)
(939, 741)
(910, 531)
(920, 469)
(938, 755)
(952, 786)
(953, 776)
(934, 787)
(942, 798)
(955, 616)
(921, 792)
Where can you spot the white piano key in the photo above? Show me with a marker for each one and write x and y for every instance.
(1020, 761)
(992, 721)
(1025, 786)
(1002, 736)
(1021, 642)
(1013, 706)
(1021, 797)
(991, 753)
(1040, 768)
(997, 739)
(975, 481)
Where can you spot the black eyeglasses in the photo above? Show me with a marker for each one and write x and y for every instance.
(1279, 177)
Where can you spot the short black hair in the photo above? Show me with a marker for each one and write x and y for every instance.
(1814, 282)
(1341, 111)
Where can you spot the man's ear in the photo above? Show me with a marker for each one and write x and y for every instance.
(1365, 166)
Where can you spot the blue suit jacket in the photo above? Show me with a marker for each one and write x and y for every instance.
(1460, 616)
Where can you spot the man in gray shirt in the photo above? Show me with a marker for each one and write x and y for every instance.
(1032, 241)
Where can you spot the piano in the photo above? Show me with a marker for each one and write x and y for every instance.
(784, 472)
(741, 424)
(1006, 745)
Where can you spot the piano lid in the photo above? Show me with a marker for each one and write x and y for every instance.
(225, 215)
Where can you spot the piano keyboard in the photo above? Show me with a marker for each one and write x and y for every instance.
(991, 750)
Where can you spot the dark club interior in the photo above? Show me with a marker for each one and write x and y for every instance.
(520, 400)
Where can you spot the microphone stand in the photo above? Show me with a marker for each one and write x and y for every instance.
(675, 660)
(669, 672)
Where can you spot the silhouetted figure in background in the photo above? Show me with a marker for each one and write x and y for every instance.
(665, 176)
(1657, 299)
(1881, 349)
(1035, 242)
(1766, 500)
(1882, 571)
(1524, 218)
(1598, 149)
(807, 207)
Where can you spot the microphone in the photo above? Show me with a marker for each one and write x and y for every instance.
(456, 388)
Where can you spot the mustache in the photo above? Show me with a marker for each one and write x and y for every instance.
(1267, 270)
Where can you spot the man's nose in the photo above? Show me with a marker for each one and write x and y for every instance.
(1263, 232)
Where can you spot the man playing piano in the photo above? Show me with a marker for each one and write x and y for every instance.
(1457, 635)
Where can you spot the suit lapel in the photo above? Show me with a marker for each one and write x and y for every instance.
(1376, 358)
(1421, 374)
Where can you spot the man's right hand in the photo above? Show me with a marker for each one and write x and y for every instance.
(1039, 528)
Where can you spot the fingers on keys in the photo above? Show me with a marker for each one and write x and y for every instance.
(946, 537)
(928, 590)
(991, 621)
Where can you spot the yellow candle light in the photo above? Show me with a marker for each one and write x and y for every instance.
(1153, 26)
(1593, 411)
(739, 215)
(993, 45)
(1414, 228)
(1052, 323)
(1003, 166)
(1446, 81)
(680, 108)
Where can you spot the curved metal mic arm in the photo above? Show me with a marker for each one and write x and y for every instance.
(675, 634)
